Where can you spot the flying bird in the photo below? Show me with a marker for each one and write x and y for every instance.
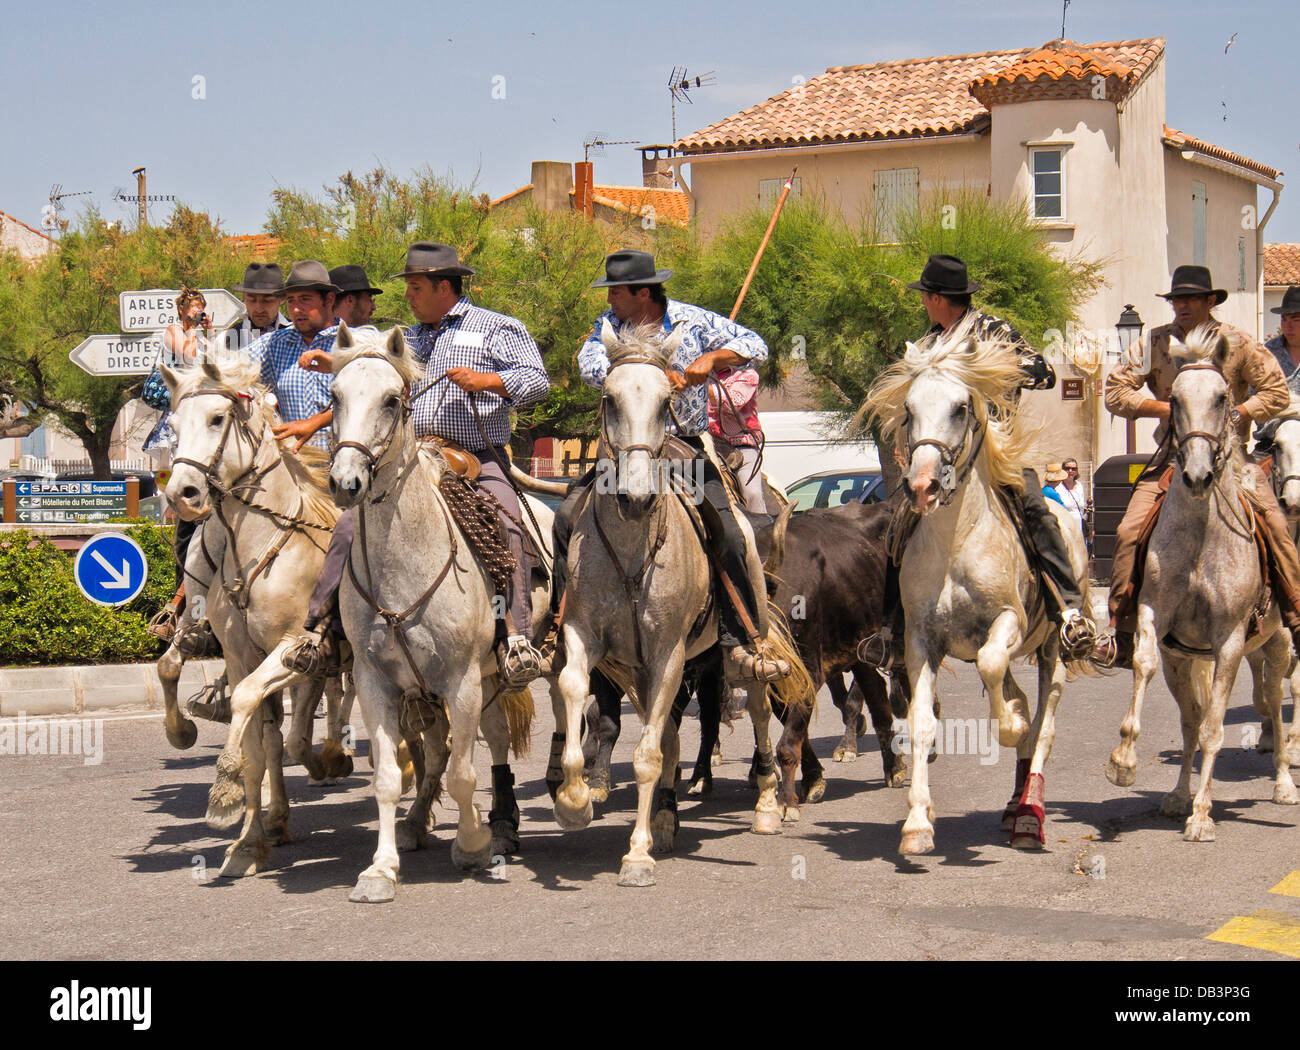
(1229, 43)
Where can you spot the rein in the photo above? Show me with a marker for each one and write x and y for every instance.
(950, 478)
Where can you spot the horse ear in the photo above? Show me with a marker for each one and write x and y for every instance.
(395, 344)
(211, 370)
(674, 340)
(607, 336)
(169, 377)
(344, 340)
(967, 346)
(1221, 351)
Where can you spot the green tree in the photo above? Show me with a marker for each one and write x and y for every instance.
(70, 294)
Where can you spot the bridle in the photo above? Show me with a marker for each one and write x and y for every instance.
(1218, 442)
(1278, 479)
(239, 416)
(949, 476)
(603, 441)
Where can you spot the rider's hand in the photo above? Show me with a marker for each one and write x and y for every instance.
(469, 380)
(697, 371)
(316, 361)
(299, 431)
(677, 380)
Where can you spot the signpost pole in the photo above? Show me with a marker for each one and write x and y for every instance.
(132, 497)
(10, 502)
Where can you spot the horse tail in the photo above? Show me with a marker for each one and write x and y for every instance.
(519, 712)
(796, 691)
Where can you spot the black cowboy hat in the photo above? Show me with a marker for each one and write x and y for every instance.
(944, 275)
(1193, 280)
(353, 279)
(309, 276)
(1290, 302)
(631, 268)
(262, 279)
(427, 259)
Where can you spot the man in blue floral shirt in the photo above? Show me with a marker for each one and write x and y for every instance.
(636, 297)
(1285, 346)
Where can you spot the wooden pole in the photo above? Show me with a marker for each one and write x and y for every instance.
(776, 214)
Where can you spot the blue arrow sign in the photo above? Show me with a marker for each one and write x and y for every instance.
(110, 569)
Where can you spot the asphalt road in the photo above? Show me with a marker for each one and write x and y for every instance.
(113, 860)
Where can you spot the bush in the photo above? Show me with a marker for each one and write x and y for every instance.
(45, 619)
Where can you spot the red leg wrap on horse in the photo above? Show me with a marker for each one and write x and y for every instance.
(1030, 815)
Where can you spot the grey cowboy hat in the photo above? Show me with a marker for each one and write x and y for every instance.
(944, 275)
(353, 279)
(262, 279)
(1193, 280)
(309, 276)
(631, 268)
(428, 259)
(1290, 302)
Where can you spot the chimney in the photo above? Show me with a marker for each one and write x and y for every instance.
(655, 173)
(582, 188)
(551, 185)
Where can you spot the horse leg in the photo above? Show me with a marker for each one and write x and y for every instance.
(708, 693)
(1024, 754)
(1293, 737)
(1218, 685)
(1275, 667)
(1027, 832)
(1121, 770)
(430, 759)
(336, 752)
(849, 702)
(609, 713)
(767, 814)
(573, 800)
(472, 847)
(275, 822)
(1180, 675)
(503, 818)
(658, 692)
(300, 730)
(918, 829)
(181, 731)
(663, 811)
(789, 747)
(871, 689)
(992, 661)
(379, 706)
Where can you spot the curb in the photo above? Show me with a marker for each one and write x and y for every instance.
(95, 687)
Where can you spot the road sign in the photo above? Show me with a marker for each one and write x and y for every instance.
(111, 569)
(119, 355)
(155, 308)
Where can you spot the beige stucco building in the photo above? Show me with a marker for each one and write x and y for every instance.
(1077, 131)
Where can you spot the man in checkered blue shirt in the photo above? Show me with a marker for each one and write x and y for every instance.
(489, 358)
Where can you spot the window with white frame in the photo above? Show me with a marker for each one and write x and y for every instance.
(894, 193)
(1047, 170)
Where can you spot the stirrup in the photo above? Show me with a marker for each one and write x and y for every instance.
(314, 654)
(162, 624)
(197, 641)
(882, 650)
(1113, 650)
(215, 705)
(1078, 636)
(518, 662)
(754, 667)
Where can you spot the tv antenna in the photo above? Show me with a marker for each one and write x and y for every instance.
(680, 86)
(50, 221)
(595, 146)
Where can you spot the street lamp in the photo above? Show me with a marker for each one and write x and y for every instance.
(1129, 328)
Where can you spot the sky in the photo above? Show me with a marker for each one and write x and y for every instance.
(224, 103)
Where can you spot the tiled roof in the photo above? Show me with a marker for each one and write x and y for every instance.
(1060, 69)
(915, 97)
(511, 195)
(1180, 140)
(673, 205)
(1282, 264)
(259, 245)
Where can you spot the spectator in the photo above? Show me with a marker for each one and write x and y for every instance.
(182, 343)
(1054, 474)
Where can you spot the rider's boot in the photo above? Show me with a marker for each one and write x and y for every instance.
(163, 623)
(755, 664)
(518, 662)
(316, 653)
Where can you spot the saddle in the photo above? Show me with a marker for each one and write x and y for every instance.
(462, 463)
(1263, 547)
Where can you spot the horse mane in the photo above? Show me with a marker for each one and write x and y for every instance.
(990, 369)
(309, 467)
(643, 340)
(369, 341)
(1199, 346)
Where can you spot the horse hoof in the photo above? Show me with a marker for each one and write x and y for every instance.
(897, 777)
(1199, 830)
(223, 816)
(844, 754)
(599, 794)
(471, 861)
(767, 823)
(1009, 816)
(1285, 795)
(277, 834)
(1027, 831)
(637, 873)
(663, 830)
(242, 861)
(814, 792)
(916, 842)
(1120, 776)
(789, 814)
(573, 818)
(410, 838)
(1026, 842)
(373, 889)
(1175, 806)
(505, 838)
(183, 739)
(700, 788)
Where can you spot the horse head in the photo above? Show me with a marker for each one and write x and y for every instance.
(634, 414)
(1286, 458)
(1200, 424)
(370, 398)
(220, 419)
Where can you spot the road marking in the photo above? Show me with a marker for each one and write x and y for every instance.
(1290, 886)
(1270, 931)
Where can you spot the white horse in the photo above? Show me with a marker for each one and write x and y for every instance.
(638, 604)
(277, 519)
(416, 606)
(1201, 583)
(967, 587)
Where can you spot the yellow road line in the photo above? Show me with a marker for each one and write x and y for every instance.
(1290, 886)
(1270, 931)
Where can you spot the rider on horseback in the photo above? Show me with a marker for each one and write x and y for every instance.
(480, 353)
(636, 297)
(946, 295)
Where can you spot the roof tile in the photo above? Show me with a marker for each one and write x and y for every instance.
(1181, 140)
(1282, 264)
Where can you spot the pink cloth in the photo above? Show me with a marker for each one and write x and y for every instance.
(736, 426)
